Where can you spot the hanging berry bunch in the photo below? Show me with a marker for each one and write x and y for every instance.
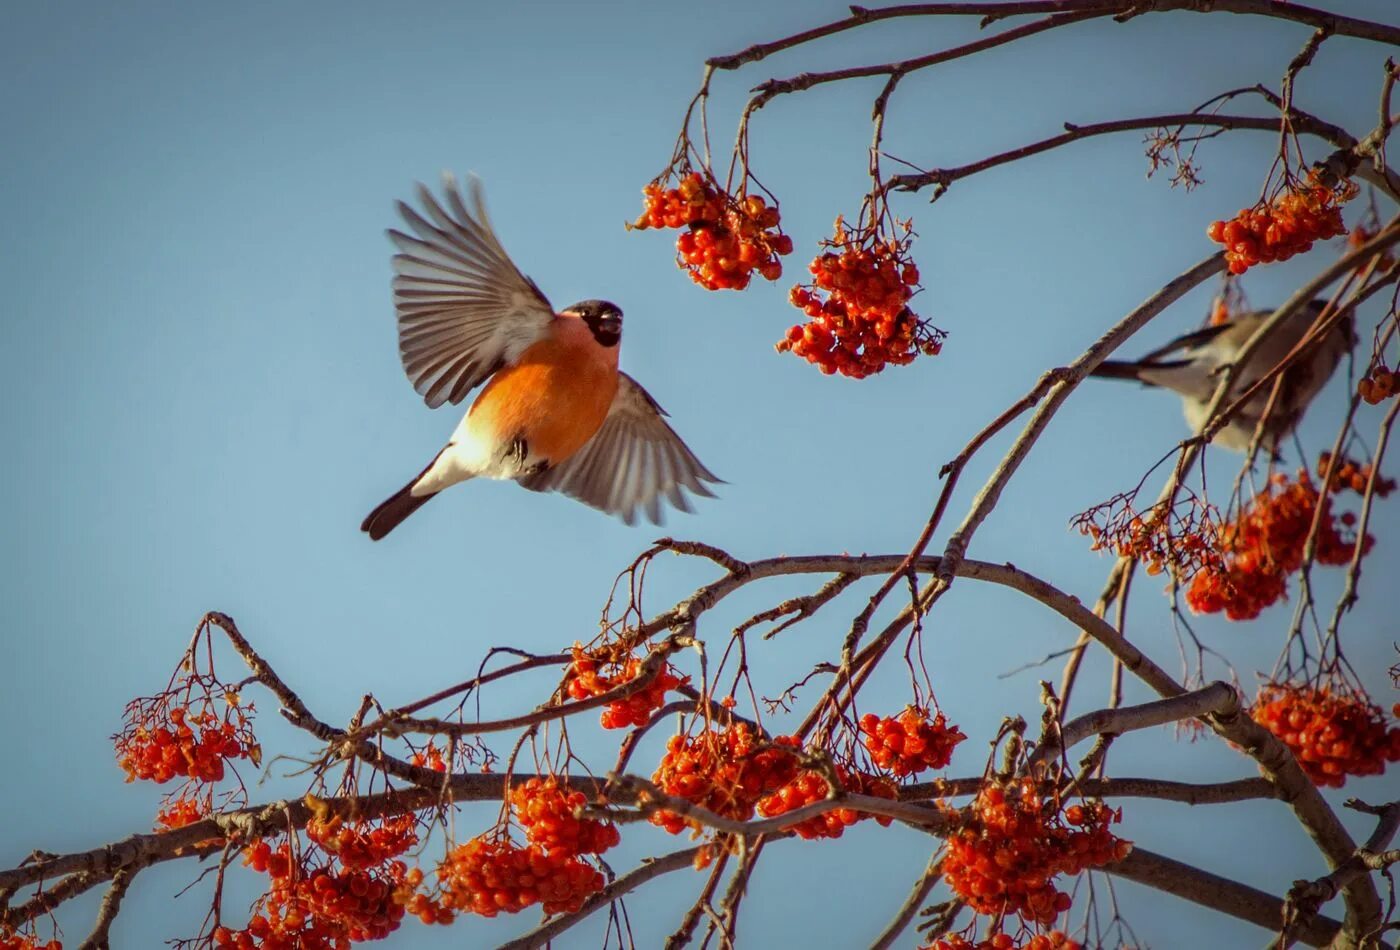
(725, 238)
(1352, 475)
(1054, 940)
(725, 770)
(857, 304)
(359, 845)
(492, 875)
(347, 885)
(429, 757)
(547, 812)
(810, 787)
(1379, 384)
(179, 812)
(908, 744)
(585, 680)
(1266, 543)
(1299, 213)
(1381, 381)
(1016, 839)
(1182, 537)
(185, 732)
(1333, 729)
(20, 941)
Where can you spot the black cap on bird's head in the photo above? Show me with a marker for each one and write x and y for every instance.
(603, 318)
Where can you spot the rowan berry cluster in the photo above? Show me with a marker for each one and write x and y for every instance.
(857, 306)
(1054, 940)
(1302, 212)
(1014, 843)
(1352, 475)
(726, 238)
(429, 757)
(911, 742)
(1332, 734)
(358, 895)
(724, 770)
(1266, 543)
(547, 811)
(27, 942)
(166, 736)
(1184, 537)
(181, 811)
(426, 908)
(360, 845)
(1379, 384)
(585, 681)
(492, 875)
(811, 787)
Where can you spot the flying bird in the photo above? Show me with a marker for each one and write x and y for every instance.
(555, 413)
(1191, 366)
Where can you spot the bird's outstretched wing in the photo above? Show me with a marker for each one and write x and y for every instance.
(464, 308)
(632, 461)
(1187, 342)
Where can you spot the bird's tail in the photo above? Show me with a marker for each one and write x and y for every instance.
(394, 510)
(398, 506)
(1117, 369)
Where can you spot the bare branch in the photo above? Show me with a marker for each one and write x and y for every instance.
(652, 667)
(1305, 898)
(248, 824)
(1218, 697)
(1216, 892)
(649, 799)
(98, 939)
(941, 178)
(1321, 19)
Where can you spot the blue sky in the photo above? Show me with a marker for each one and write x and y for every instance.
(202, 396)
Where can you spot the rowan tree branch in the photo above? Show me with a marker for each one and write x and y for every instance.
(1218, 697)
(942, 178)
(1305, 898)
(99, 938)
(648, 799)
(1218, 893)
(859, 16)
(652, 667)
(255, 821)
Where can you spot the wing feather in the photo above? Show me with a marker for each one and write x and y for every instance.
(464, 309)
(633, 461)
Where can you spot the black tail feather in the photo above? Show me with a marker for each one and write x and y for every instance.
(392, 511)
(1116, 369)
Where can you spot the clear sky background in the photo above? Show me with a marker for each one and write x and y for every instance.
(202, 395)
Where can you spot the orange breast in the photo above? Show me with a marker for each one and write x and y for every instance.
(555, 398)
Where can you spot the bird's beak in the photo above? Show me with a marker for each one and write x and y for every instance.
(610, 324)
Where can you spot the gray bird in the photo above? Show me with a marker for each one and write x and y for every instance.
(1191, 365)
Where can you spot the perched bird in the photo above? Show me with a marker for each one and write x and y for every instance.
(555, 413)
(1191, 365)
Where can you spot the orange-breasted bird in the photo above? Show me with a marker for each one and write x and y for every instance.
(555, 413)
